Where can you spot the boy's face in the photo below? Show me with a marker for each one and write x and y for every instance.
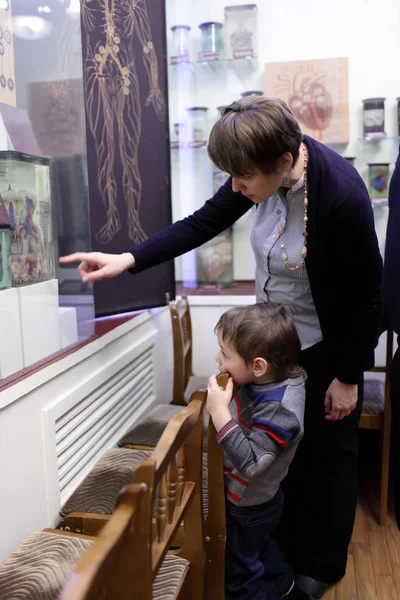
(230, 362)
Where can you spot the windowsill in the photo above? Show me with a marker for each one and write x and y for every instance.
(102, 326)
(239, 288)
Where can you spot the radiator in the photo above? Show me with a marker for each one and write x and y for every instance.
(92, 423)
(97, 403)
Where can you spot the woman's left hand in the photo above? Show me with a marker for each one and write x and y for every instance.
(340, 400)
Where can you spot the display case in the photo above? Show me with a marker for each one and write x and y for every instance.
(42, 126)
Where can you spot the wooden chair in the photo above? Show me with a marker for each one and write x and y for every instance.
(130, 559)
(146, 432)
(376, 414)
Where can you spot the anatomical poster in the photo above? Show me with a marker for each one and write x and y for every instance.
(317, 91)
(126, 109)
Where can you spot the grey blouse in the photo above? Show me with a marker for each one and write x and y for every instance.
(274, 281)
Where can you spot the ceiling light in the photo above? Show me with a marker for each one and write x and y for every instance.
(44, 9)
(31, 27)
(4, 4)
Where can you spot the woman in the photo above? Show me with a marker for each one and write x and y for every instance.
(316, 250)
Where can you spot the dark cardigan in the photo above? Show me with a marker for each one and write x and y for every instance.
(391, 286)
(344, 265)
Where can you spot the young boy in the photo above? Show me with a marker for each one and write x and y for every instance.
(259, 430)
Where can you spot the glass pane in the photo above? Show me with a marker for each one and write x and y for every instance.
(43, 181)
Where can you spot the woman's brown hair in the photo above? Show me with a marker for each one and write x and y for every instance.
(254, 133)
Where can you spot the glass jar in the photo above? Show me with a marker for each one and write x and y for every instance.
(5, 244)
(214, 260)
(180, 44)
(197, 126)
(178, 135)
(252, 93)
(28, 204)
(374, 117)
(240, 29)
(378, 180)
(211, 40)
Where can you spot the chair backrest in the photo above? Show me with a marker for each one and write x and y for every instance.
(182, 340)
(171, 479)
(375, 420)
(104, 571)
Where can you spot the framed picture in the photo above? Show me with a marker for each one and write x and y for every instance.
(317, 91)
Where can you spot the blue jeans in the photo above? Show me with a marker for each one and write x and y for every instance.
(254, 567)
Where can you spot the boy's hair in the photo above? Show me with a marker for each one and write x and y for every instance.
(265, 330)
(254, 133)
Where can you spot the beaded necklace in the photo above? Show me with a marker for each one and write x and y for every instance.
(305, 234)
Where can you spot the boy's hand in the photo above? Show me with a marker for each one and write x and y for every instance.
(218, 401)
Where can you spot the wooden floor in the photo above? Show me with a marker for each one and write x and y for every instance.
(373, 570)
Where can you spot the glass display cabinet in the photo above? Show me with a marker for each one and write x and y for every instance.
(44, 309)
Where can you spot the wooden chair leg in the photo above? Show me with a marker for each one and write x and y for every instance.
(386, 433)
(215, 523)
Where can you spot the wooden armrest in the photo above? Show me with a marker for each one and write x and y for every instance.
(85, 523)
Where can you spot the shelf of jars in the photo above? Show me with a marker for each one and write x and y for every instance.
(242, 68)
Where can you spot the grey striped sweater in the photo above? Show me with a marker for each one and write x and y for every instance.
(260, 440)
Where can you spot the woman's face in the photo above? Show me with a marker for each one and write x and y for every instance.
(257, 186)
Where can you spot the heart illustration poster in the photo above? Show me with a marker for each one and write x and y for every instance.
(317, 92)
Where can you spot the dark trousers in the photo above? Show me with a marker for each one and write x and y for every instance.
(321, 486)
(395, 402)
(254, 567)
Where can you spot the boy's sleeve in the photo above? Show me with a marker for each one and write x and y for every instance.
(274, 428)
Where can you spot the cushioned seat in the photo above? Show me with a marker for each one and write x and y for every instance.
(148, 430)
(99, 491)
(42, 563)
(374, 396)
(39, 566)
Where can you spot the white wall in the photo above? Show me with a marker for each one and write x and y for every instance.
(365, 31)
